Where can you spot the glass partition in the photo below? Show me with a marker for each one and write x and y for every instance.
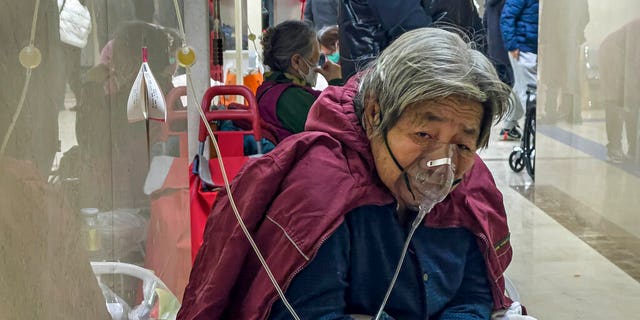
(82, 178)
(588, 164)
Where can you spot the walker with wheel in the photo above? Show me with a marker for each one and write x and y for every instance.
(524, 156)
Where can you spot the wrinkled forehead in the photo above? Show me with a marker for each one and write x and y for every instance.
(463, 113)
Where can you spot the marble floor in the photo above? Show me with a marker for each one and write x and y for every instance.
(574, 232)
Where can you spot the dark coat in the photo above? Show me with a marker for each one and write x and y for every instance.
(496, 51)
(460, 16)
(321, 13)
(368, 26)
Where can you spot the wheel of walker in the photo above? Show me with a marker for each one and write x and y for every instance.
(516, 161)
(531, 164)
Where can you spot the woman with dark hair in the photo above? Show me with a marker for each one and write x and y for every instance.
(291, 52)
(328, 38)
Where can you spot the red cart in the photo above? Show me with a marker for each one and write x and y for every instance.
(205, 177)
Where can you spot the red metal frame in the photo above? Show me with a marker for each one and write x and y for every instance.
(202, 200)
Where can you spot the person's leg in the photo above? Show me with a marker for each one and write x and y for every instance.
(516, 109)
(525, 72)
(631, 125)
(74, 74)
(613, 125)
(569, 107)
(529, 74)
(72, 70)
(514, 112)
(550, 103)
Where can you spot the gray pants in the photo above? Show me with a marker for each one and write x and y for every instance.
(525, 72)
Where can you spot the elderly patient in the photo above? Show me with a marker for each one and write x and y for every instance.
(292, 52)
(330, 208)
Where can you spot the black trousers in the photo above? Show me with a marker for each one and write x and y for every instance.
(72, 68)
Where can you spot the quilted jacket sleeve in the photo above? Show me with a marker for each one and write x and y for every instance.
(511, 12)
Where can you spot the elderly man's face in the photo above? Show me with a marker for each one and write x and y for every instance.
(452, 120)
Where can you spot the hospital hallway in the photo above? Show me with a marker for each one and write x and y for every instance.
(575, 232)
(97, 202)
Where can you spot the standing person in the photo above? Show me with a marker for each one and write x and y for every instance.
(69, 13)
(329, 44)
(460, 16)
(561, 35)
(366, 27)
(619, 62)
(72, 71)
(321, 13)
(519, 24)
(496, 51)
(330, 208)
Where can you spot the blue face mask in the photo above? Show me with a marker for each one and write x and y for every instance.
(334, 57)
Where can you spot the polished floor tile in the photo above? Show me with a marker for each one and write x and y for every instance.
(574, 232)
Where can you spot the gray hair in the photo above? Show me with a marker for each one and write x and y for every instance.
(431, 64)
(281, 42)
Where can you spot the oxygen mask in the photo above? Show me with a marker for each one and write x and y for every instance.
(427, 180)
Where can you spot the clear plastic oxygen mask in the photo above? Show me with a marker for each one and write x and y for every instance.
(421, 185)
(427, 180)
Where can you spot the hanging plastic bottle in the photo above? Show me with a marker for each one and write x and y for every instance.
(93, 240)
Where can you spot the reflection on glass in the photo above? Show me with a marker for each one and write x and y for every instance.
(620, 76)
(588, 119)
(561, 35)
(115, 157)
(73, 175)
(588, 70)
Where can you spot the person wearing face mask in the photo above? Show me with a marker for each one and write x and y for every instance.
(328, 38)
(291, 51)
(331, 208)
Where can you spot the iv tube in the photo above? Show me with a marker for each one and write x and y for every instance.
(254, 246)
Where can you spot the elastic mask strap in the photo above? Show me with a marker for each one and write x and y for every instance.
(406, 181)
(386, 143)
(404, 173)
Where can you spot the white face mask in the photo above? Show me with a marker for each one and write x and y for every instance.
(311, 77)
